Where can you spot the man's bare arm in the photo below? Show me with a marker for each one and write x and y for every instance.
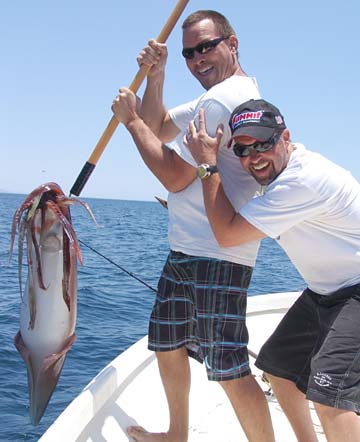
(152, 109)
(172, 171)
(229, 227)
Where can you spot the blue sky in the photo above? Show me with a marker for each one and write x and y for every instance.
(63, 62)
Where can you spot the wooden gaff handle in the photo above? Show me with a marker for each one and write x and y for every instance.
(89, 166)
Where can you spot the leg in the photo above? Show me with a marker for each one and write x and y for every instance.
(282, 356)
(221, 318)
(166, 331)
(339, 425)
(337, 365)
(251, 408)
(295, 406)
(175, 374)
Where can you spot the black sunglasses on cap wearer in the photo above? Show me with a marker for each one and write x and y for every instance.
(243, 150)
(202, 48)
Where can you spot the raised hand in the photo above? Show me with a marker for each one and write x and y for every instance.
(203, 147)
(154, 55)
(125, 106)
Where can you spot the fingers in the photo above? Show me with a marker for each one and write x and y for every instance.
(125, 105)
(219, 133)
(192, 131)
(156, 46)
(125, 90)
(152, 53)
(203, 147)
(126, 94)
(159, 49)
(115, 103)
(147, 58)
(202, 125)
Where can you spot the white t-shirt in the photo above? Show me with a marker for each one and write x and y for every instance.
(189, 228)
(313, 210)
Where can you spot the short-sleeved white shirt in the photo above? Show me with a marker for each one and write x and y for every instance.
(189, 228)
(313, 210)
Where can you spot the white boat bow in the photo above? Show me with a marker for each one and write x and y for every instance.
(128, 391)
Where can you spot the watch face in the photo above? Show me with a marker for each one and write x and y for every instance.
(203, 171)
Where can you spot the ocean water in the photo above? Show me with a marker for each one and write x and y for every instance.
(113, 307)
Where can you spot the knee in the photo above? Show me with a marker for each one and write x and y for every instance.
(172, 356)
(327, 413)
(280, 385)
(276, 380)
(238, 384)
(228, 385)
(321, 410)
(269, 377)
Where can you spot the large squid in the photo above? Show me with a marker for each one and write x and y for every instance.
(48, 308)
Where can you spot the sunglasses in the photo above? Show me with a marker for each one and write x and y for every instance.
(243, 150)
(202, 48)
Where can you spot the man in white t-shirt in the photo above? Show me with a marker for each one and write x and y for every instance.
(311, 207)
(201, 303)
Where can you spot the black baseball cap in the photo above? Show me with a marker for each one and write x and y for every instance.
(258, 119)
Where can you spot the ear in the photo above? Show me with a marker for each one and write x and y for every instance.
(286, 135)
(233, 43)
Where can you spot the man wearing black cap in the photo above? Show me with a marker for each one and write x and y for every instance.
(311, 207)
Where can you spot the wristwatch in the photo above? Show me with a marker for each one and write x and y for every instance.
(203, 171)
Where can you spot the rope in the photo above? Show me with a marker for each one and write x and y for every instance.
(118, 266)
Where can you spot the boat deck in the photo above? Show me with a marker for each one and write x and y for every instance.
(129, 392)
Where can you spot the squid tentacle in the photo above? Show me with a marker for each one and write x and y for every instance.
(68, 229)
(32, 295)
(70, 201)
(34, 196)
(22, 231)
(36, 245)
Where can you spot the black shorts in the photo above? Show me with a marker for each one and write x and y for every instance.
(317, 346)
(201, 303)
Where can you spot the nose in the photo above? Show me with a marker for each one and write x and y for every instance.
(197, 58)
(254, 155)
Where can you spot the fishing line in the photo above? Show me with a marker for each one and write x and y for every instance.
(118, 266)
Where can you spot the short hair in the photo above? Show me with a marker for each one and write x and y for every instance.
(221, 22)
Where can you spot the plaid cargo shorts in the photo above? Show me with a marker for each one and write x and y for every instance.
(201, 303)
